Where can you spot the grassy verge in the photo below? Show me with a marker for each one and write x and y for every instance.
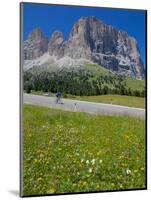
(66, 152)
(138, 102)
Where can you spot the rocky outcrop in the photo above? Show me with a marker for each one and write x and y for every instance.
(90, 38)
(55, 45)
(36, 45)
(93, 40)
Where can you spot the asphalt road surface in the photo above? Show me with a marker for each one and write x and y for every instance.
(83, 106)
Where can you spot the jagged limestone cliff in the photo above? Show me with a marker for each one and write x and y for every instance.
(93, 40)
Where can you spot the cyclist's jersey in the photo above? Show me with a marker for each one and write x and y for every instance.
(58, 94)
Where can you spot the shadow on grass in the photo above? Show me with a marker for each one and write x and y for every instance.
(14, 192)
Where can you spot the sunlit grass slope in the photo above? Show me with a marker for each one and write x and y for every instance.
(123, 100)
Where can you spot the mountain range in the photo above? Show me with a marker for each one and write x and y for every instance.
(90, 41)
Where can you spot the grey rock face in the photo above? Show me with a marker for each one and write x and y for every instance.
(36, 45)
(56, 46)
(105, 45)
(93, 40)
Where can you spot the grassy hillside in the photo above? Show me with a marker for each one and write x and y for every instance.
(87, 80)
(66, 152)
(138, 102)
(98, 70)
(135, 84)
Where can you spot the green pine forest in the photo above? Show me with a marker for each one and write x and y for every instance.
(88, 81)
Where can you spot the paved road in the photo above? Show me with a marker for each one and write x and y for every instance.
(84, 106)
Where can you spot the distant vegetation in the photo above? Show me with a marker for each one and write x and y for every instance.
(87, 81)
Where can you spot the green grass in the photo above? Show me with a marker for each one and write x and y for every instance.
(130, 101)
(135, 84)
(96, 69)
(132, 83)
(66, 152)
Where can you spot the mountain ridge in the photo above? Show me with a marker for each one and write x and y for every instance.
(89, 39)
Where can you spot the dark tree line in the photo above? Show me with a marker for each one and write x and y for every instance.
(82, 83)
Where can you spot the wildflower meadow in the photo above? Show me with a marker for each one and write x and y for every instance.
(70, 152)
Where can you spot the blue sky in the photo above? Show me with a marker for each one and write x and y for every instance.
(52, 17)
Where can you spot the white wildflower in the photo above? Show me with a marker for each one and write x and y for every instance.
(93, 161)
(87, 161)
(90, 170)
(100, 161)
(128, 171)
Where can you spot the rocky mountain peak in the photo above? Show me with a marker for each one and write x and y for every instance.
(91, 39)
(36, 35)
(85, 24)
(55, 45)
(36, 45)
(56, 38)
